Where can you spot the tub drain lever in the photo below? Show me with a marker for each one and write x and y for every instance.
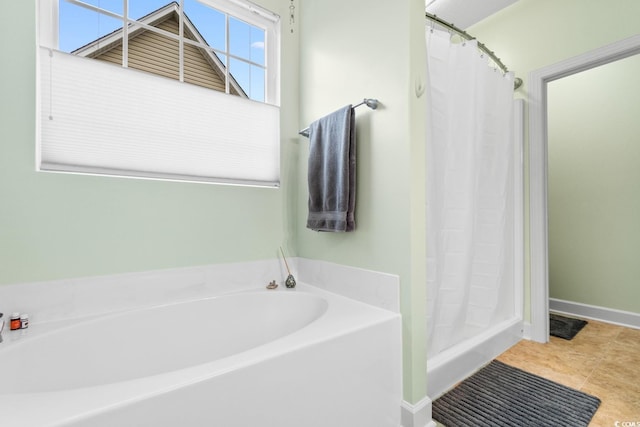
(291, 281)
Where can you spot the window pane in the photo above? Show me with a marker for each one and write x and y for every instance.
(257, 83)
(141, 8)
(234, 86)
(221, 37)
(250, 78)
(241, 73)
(257, 45)
(209, 24)
(79, 26)
(239, 38)
(204, 68)
(246, 41)
(154, 53)
(222, 58)
(114, 6)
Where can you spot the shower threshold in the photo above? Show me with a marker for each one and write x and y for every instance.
(458, 362)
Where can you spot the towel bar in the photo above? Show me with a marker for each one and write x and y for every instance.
(369, 102)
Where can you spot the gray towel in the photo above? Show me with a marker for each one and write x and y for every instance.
(332, 172)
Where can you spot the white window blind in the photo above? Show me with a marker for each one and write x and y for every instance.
(100, 118)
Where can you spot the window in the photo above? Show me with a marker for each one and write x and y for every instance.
(193, 94)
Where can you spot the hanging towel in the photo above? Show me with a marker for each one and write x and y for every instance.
(332, 172)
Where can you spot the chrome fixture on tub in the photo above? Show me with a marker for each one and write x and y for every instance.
(291, 281)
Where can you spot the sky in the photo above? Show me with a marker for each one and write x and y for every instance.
(79, 26)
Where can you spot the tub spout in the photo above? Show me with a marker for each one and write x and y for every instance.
(272, 285)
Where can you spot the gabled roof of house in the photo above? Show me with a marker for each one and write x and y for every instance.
(108, 42)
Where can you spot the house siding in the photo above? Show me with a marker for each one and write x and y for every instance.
(154, 53)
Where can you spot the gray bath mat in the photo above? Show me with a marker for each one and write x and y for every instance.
(564, 327)
(500, 395)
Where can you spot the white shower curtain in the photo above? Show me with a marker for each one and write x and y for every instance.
(470, 284)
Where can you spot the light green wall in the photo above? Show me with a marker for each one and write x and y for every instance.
(348, 51)
(58, 225)
(594, 186)
(532, 34)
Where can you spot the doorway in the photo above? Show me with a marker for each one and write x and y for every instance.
(538, 150)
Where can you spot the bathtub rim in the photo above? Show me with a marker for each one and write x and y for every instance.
(52, 370)
(55, 326)
(76, 404)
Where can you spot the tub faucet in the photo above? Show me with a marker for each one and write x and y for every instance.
(272, 285)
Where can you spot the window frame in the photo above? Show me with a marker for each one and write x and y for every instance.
(248, 12)
(263, 135)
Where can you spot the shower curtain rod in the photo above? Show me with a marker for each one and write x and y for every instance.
(517, 82)
(369, 102)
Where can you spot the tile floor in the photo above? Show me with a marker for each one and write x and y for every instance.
(602, 360)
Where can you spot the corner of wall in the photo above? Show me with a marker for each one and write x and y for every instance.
(418, 415)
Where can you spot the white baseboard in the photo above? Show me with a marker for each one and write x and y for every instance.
(418, 415)
(609, 315)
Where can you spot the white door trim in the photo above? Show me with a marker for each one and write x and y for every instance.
(538, 80)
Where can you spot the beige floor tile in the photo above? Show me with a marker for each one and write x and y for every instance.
(593, 339)
(618, 380)
(600, 329)
(602, 360)
(612, 393)
(629, 338)
(551, 362)
(609, 414)
(617, 405)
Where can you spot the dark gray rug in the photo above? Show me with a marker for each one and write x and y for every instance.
(500, 395)
(564, 327)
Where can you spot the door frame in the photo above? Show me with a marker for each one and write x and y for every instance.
(538, 168)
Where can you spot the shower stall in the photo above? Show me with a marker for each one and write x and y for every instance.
(474, 211)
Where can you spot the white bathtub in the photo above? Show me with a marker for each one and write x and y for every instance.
(302, 357)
